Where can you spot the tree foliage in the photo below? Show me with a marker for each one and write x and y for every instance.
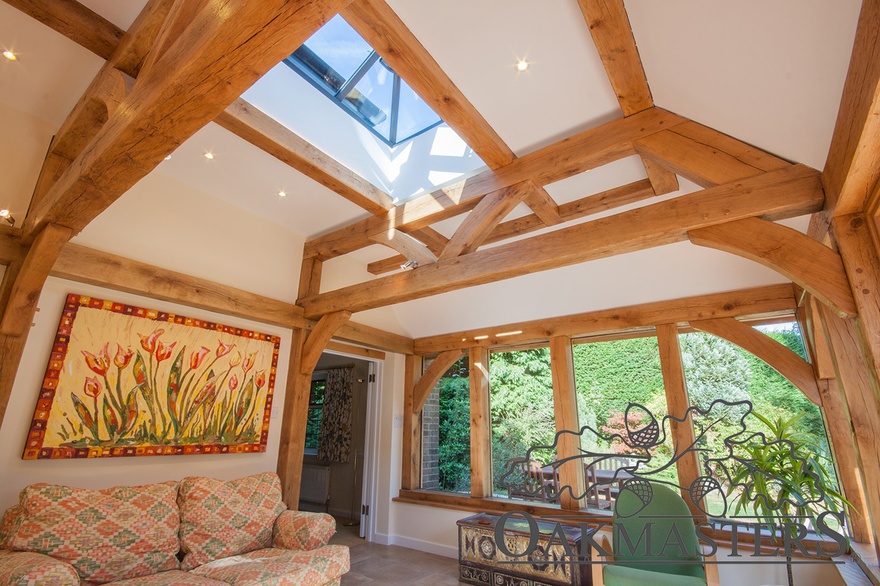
(521, 399)
(610, 375)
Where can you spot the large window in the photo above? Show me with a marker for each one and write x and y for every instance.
(521, 403)
(716, 369)
(446, 440)
(610, 376)
(622, 412)
(316, 413)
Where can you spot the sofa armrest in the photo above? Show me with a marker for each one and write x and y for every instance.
(24, 567)
(302, 530)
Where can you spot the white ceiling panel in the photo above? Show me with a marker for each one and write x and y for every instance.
(768, 72)
(478, 44)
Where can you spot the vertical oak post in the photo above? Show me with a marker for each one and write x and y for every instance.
(857, 376)
(836, 417)
(845, 456)
(293, 429)
(481, 424)
(310, 276)
(571, 473)
(411, 467)
(20, 291)
(677, 403)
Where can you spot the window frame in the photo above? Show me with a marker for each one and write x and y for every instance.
(339, 96)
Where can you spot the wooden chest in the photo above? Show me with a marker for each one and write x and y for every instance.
(482, 562)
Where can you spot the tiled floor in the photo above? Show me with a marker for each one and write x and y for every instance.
(390, 565)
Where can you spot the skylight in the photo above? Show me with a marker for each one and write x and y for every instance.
(339, 63)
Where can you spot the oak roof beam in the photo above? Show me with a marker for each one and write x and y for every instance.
(212, 62)
(613, 37)
(266, 133)
(580, 208)
(434, 240)
(76, 22)
(767, 301)
(706, 156)
(378, 24)
(789, 192)
(100, 100)
(543, 205)
(240, 118)
(409, 247)
(484, 218)
(852, 169)
(86, 265)
(809, 263)
(584, 151)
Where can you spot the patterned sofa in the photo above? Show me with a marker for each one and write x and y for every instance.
(198, 532)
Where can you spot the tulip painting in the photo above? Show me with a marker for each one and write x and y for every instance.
(128, 381)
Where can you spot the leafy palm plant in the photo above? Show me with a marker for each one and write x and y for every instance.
(784, 478)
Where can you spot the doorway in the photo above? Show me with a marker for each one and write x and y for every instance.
(347, 499)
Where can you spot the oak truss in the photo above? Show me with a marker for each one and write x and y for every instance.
(98, 153)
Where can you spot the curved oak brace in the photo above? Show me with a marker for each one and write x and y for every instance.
(406, 245)
(319, 338)
(809, 263)
(482, 220)
(797, 370)
(543, 205)
(24, 281)
(440, 365)
(380, 26)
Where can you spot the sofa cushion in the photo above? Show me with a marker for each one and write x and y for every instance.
(172, 578)
(24, 567)
(226, 518)
(110, 534)
(303, 530)
(9, 525)
(281, 567)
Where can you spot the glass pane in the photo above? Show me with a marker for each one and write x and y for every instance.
(371, 98)
(339, 48)
(313, 428)
(620, 395)
(716, 369)
(446, 439)
(521, 405)
(413, 115)
(316, 395)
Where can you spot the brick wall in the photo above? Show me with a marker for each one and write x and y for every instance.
(430, 441)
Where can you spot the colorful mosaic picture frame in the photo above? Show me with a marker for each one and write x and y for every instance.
(129, 381)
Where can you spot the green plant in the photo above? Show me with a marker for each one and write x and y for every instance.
(782, 478)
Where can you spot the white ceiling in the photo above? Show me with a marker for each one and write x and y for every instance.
(769, 72)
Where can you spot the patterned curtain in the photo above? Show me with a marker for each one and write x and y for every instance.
(335, 442)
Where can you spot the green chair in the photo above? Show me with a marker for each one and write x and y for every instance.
(672, 567)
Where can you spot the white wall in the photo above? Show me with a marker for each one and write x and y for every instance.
(106, 472)
(164, 222)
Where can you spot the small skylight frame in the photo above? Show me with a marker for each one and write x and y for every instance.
(299, 62)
